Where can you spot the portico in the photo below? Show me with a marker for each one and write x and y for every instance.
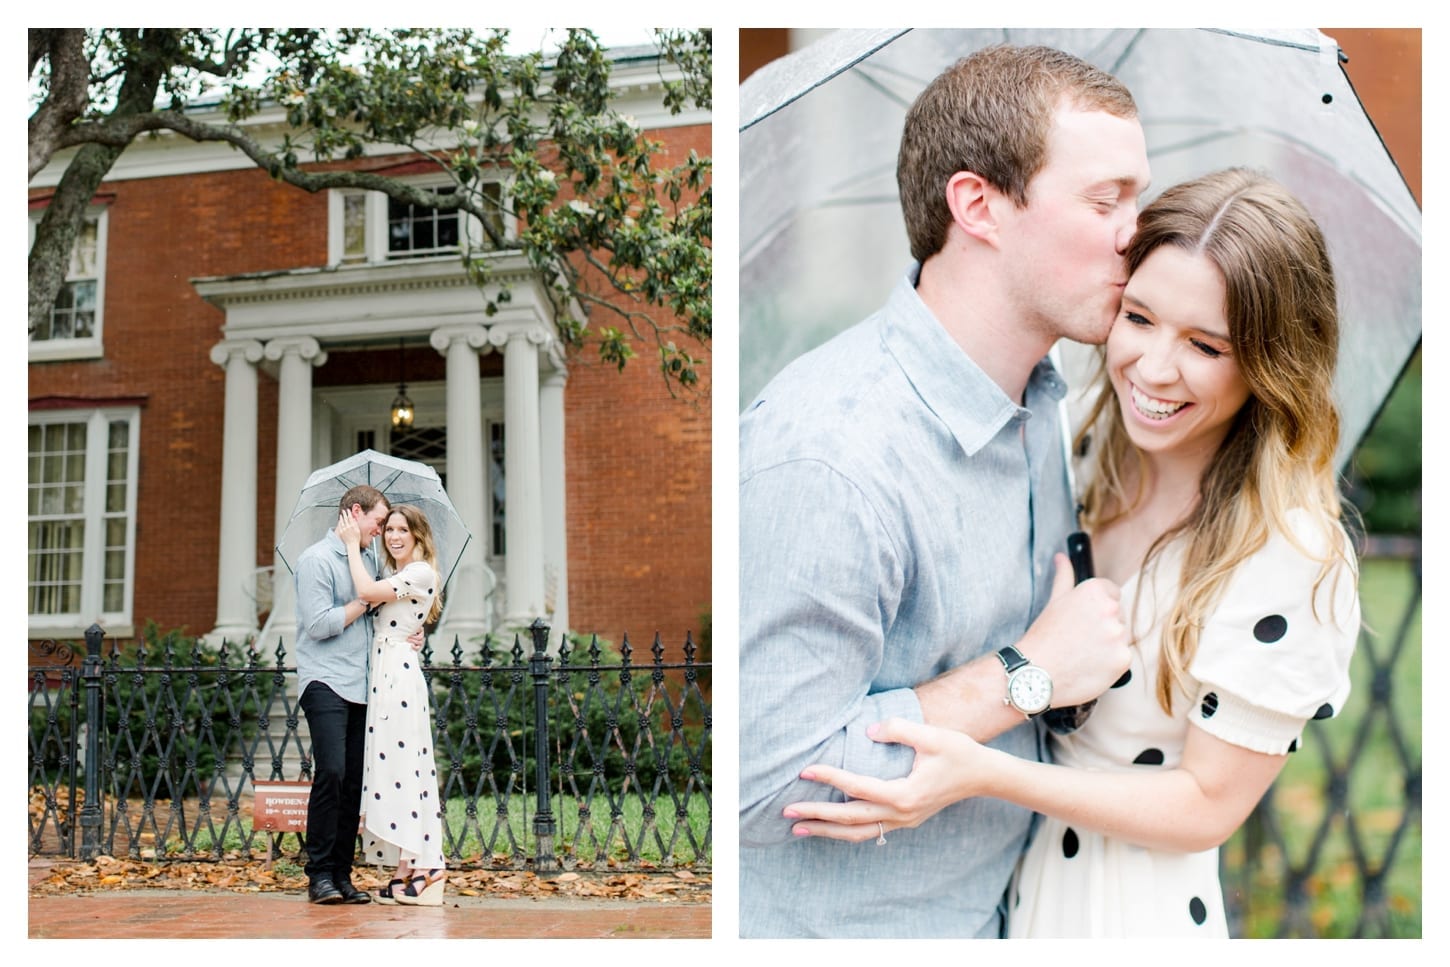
(286, 323)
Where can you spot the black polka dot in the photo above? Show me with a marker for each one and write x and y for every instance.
(1149, 757)
(377, 795)
(415, 814)
(392, 825)
(392, 624)
(405, 705)
(397, 785)
(1271, 628)
(1069, 844)
(1210, 705)
(1125, 679)
(400, 744)
(1197, 911)
(1324, 711)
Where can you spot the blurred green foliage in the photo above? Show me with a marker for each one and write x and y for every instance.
(1384, 474)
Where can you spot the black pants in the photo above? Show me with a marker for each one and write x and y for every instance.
(339, 729)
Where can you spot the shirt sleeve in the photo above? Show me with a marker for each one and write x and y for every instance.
(1275, 654)
(316, 611)
(819, 583)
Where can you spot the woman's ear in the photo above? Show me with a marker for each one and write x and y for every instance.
(970, 200)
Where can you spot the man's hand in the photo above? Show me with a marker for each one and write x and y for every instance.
(1080, 637)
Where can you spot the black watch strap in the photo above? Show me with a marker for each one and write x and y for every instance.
(1011, 659)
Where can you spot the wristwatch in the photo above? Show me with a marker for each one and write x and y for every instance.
(1029, 688)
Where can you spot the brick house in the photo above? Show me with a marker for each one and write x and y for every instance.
(224, 334)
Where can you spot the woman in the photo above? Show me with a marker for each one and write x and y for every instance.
(1214, 505)
(402, 813)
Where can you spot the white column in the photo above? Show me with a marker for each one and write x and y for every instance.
(236, 617)
(553, 497)
(295, 358)
(522, 471)
(468, 593)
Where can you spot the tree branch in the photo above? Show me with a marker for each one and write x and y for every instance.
(67, 95)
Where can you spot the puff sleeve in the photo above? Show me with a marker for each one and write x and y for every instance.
(416, 580)
(1274, 654)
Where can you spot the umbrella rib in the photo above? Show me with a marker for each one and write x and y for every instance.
(1127, 51)
(1258, 39)
(842, 69)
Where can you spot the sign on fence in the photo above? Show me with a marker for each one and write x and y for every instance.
(280, 807)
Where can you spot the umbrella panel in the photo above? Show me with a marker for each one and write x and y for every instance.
(821, 235)
(401, 481)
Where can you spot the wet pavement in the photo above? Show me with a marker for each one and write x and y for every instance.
(219, 914)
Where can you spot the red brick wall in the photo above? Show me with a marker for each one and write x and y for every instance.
(638, 489)
(163, 232)
(638, 462)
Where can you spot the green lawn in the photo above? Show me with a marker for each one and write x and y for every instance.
(596, 839)
(1371, 747)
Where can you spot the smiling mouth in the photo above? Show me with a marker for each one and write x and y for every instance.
(1152, 408)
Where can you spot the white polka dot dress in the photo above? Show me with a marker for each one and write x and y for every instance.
(1267, 663)
(400, 802)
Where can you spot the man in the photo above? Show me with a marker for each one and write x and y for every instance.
(333, 635)
(903, 497)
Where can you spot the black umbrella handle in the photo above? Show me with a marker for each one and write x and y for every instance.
(1064, 721)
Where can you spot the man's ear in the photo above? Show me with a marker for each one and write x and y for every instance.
(970, 200)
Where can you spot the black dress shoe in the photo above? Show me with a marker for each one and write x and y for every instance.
(350, 893)
(321, 889)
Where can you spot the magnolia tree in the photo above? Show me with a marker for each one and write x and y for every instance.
(618, 233)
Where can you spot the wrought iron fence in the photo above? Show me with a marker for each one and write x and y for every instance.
(589, 757)
(1334, 848)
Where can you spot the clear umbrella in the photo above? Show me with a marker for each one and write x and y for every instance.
(821, 236)
(401, 481)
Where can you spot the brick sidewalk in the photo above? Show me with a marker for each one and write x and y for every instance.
(160, 914)
(178, 914)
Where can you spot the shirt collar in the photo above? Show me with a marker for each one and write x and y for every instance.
(947, 380)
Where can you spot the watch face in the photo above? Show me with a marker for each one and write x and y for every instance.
(1030, 690)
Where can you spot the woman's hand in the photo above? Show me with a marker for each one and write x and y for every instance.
(949, 767)
(347, 529)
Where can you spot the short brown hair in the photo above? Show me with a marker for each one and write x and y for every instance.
(365, 497)
(990, 113)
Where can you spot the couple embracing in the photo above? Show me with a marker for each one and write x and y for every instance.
(366, 701)
(907, 616)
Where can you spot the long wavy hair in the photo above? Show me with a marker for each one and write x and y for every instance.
(426, 549)
(1279, 452)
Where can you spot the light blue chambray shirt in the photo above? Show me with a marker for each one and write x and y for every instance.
(898, 517)
(327, 652)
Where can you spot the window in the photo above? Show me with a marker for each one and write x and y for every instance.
(497, 492)
(82, 498)
(368, 226)
(73, 330)
(414, 230)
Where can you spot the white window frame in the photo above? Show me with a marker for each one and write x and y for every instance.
(118, 622)
(375, 231)
(92, 346)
